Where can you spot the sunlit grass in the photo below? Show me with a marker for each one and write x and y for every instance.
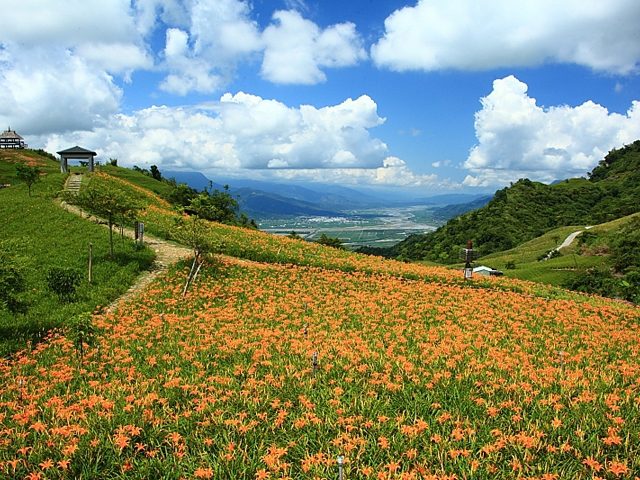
(41, 235)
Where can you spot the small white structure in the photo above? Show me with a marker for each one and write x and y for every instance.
(487, 271)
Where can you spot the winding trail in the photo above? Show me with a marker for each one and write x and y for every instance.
(568, 241)
(167, 253)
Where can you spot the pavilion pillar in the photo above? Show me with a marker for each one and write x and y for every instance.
(91, 163)
(63, 164)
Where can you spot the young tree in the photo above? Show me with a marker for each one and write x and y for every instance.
(194, 232)
(27, 174)
(105, 201)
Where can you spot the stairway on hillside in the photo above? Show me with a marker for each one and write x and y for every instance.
(73, 183)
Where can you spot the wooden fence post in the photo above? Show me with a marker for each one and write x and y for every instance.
(90, 262)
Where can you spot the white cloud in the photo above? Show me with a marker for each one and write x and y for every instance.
(485, 34)
(206, 41)
(30, 23)
(223, 31)
(56, 64)
(251, 136)
(221, 34)
(54, 91)
(518, 138)
(296, 49)
(392, 172)
(191, 73)
(103, 34)
(441, 163)
(242, 131)
(150, 12)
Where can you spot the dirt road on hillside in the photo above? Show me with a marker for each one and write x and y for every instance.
(167, 253)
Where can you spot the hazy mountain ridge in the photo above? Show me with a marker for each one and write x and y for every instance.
(261, 198)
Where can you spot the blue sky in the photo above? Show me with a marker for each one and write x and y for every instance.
(421, 95)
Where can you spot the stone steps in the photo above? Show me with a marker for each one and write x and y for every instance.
(73, 184)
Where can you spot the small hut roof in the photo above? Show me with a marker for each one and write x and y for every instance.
(76, 151)
(8, 133)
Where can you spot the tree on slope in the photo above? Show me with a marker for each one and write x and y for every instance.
(194, 232)
(27, 174)
(105, 201)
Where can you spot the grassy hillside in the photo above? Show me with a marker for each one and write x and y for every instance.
(286, 355)
(37, 236)
(525, 262)
(593, 252)
(162, 189)
(528, 209)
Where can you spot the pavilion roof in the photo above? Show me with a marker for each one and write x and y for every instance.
(76, 150)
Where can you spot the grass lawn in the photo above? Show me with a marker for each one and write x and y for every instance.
(39, 235)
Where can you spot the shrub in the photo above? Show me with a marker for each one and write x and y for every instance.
(330, 241)
(12, 283)
(63, 282)
(510, 265)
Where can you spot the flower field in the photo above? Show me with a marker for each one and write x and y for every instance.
(272, 371)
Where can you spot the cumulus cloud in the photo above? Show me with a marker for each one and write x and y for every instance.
(296, 49)
(441, 163)
(485, 34)
(57, 64)
(64, 92)
(518, 138)
(392, 172)
(252, 136)
(241, 131)
(102, 34)
(72, 58)
(221, 34)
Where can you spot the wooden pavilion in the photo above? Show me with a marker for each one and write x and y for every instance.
(76, 153)
(10, 139)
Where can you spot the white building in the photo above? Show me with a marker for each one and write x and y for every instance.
(487, 271)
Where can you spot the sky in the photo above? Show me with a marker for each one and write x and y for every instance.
(426, 96)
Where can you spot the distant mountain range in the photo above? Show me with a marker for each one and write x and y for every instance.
(262, 199)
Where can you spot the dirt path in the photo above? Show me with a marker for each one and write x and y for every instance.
(572, 236)
(167, 253)
(568, 241)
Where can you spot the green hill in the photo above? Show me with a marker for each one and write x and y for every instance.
(598, 251)
(38, 237)
(527, 209)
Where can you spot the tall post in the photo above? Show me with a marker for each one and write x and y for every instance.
(90, 262)
(468, 257)
(141, 233)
